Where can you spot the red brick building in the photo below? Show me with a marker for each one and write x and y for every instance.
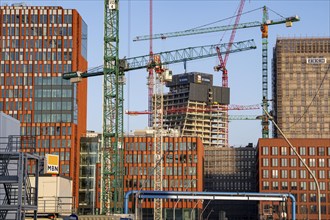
(280, 171)
(37, 45)
(182, 171)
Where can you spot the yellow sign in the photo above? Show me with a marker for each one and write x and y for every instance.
(51, 165)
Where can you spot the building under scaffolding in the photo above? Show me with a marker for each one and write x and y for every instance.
(17, 196)
(197, 108)
(301, 87)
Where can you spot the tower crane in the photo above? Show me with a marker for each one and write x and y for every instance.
(223, 62)
(264, 29)
(112, 167)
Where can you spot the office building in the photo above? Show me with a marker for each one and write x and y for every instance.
(230, 170)
(90, 158)
(182, 171)
(301, 87)
(280, 171)
(196, 108)
(37, 45)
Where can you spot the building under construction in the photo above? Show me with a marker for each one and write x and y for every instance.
(301, 87)
(197, 108)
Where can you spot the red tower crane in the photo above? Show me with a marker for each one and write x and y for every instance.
(223, 62)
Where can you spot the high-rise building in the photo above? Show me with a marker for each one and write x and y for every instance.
(182, 171)
(230, 170)
(37, 45)
(279, 170)
(196, 107)
(301, 87)
(90, 158)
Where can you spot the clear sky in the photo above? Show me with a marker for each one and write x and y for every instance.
(244, 68)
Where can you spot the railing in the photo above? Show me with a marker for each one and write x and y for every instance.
(58, 205)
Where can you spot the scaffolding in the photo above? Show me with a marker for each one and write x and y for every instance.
(17, 196)
(300, 87)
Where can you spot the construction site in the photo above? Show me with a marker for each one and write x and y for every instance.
(182, 165)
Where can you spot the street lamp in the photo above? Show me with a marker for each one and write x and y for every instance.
(208, 215)
(303, 162)
(185, 189)
(200, 216)
(191, 213)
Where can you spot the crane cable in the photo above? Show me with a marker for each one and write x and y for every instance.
(310, 104)
(129, 55)
(201, 26)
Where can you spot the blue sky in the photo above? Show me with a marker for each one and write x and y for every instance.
(244, 69)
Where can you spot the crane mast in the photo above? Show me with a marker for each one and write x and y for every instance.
(112, 139)
(264, 35)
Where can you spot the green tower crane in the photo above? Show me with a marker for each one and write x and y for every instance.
(264, 28)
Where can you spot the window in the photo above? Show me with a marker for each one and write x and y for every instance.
(303, 186)
(321, 162)
(312, 162)
(265, 151)
(284, 174)
(303, 197)
(293, 185)
(284, 162)
(265, 185)
(274, 151)
(265, 174)
(321, 151)
(302, 174)
(293, 174)
(275, 185)
(274, 162)
(293, 162)
(283, 150)
(302, 150)
(284, 185)
(311, 151)
(274, 173)
(265, 162)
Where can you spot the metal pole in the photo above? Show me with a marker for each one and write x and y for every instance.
(303, 162)
(191, 213)
(185, 189)
(200, 216)
(208, 215)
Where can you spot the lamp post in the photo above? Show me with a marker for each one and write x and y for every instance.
(208, 215)
(302, 161)
(191, 213)
(185, 189)
(200, 216)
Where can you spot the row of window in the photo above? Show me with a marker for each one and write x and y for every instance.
(274, 185)
(36, 31)
(44, 117)
(312, 151)
(34, 44)
(321, 174)
(167, 146)
(169, 170)
(284, 162)
(149, 158)
(36, 19)
(30, 68)
(46, 143)
(185, 184)
(48, 130)
(53, 93)
(16, 93)
(27, 80)
(33, 55)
